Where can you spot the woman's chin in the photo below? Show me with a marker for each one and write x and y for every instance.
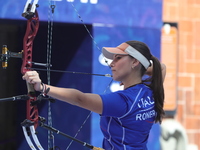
(116, 79)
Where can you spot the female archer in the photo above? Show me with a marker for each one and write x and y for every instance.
(127, 115)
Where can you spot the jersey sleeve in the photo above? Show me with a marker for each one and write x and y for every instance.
(114, 104)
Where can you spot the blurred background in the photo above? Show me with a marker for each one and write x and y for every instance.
(171, 28)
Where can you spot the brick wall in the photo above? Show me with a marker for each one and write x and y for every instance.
(187, 14)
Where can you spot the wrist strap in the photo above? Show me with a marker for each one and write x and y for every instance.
(44, 90)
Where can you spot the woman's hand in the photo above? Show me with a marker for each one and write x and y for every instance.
(32, 77)
(163, 69)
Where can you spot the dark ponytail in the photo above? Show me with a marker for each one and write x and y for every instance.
(156, 85)
(155, 82)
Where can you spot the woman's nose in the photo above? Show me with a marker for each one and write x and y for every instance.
(112, 64)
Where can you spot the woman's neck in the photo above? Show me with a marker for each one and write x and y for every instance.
(129, 84)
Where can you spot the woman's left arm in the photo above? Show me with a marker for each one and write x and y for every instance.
(89, 101)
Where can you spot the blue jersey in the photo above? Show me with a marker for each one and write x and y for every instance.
(127, 118)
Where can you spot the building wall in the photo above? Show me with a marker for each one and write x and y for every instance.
(187, 14)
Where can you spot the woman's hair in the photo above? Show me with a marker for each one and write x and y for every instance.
(155, 82)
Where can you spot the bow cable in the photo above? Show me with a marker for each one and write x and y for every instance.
(52, 5)
(79, 16)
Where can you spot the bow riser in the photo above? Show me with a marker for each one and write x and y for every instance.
(31, 31)
(32, 111)
(32, 115)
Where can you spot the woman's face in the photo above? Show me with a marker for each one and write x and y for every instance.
(121, 67)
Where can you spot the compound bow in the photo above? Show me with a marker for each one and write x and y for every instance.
(32, 117)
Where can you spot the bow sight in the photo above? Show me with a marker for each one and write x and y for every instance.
(6, 55)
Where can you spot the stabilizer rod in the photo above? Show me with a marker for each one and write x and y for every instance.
(68, 136)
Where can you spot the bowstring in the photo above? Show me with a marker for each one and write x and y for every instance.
(79, 16)
(51, 143)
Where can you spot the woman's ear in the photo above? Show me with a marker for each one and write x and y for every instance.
(135, 63)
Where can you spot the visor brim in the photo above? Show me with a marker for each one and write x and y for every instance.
(109, 52)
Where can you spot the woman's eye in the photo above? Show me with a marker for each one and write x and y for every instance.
(118, 57)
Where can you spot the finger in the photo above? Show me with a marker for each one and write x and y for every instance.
(26, 76)
(32, 81)
(29, 74)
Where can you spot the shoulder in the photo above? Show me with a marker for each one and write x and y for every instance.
(138, 87)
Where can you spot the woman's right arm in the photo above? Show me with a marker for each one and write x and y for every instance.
(163, 69)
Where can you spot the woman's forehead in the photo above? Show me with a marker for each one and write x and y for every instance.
(121, 55)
